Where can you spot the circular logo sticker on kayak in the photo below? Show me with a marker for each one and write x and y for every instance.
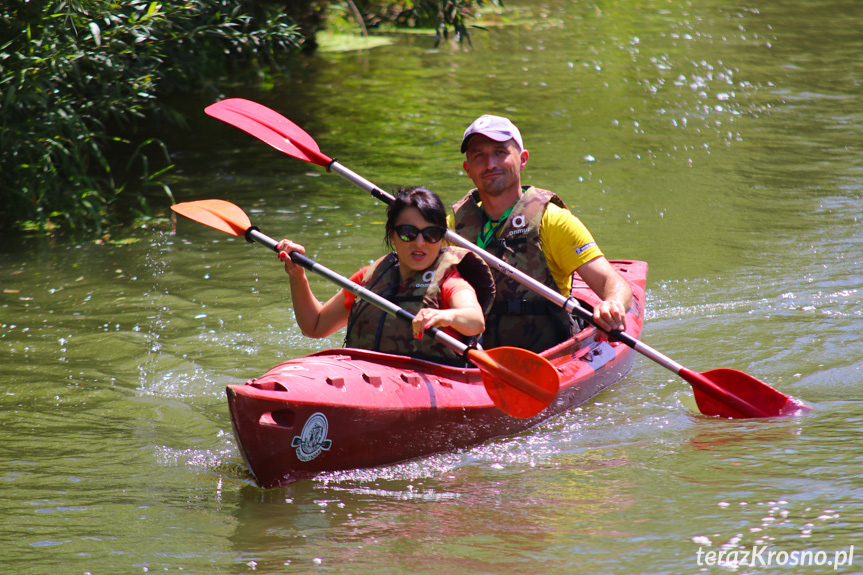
(313, 438)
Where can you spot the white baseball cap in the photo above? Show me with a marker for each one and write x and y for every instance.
(497, 128)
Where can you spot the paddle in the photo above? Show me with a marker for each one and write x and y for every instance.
(722, 392)
(518, 381)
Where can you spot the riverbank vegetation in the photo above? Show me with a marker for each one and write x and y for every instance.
(82, 80)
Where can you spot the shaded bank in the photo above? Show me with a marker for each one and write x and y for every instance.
(79, 79)
(85, 87)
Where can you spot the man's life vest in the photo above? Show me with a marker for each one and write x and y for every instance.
(519, 317)
(372, 328)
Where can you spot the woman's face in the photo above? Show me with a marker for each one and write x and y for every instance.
(418, 254)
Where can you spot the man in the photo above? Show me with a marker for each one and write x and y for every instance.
(532, 230)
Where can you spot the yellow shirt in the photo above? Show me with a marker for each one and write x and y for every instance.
(566, 244)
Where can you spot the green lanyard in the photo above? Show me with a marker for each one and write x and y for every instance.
(490, 227)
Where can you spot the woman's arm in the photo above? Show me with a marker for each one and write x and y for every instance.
(464, 315)
(314, 318)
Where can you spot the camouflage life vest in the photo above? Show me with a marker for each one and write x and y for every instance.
(372, 328)
(519, 316)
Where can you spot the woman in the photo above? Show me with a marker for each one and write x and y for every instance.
(444, 287)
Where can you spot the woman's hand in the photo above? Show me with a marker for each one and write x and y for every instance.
(285, 247)
(314, 318)
(465, 316)
(427, 318)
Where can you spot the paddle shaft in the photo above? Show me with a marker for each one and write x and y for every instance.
(255, 235)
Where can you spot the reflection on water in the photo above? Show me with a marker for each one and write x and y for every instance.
(717, 141)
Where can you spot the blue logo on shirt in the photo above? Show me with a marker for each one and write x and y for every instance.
(578, 251)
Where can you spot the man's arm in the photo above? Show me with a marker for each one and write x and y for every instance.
(609, 285)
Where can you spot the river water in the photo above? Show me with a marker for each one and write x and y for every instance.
(720, 141)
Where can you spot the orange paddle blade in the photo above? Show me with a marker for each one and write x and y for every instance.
(219, 214)
(519, 382)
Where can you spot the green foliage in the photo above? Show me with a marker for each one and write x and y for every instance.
(310, 16)
(78, 78)
(74, 72)
(439, 15)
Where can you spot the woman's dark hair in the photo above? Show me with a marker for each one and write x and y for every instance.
(428, 203)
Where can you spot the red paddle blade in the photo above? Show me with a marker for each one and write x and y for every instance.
(269, 126)
(519, 382)
(734, 394)
(219, 214)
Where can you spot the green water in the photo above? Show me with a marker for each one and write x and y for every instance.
(719, 141)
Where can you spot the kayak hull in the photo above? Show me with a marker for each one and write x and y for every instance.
(348, 408)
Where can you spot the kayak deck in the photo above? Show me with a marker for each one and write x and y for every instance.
(350, 408)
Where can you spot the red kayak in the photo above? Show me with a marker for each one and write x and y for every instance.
(350, 408)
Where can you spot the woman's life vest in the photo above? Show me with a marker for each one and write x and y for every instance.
(519, 317)
(371, 328)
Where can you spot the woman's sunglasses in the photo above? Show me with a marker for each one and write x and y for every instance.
(431, 234)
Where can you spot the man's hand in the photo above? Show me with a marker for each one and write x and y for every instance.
(610, 315)
(609, 285)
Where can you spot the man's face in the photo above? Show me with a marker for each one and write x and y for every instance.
(494, 167)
